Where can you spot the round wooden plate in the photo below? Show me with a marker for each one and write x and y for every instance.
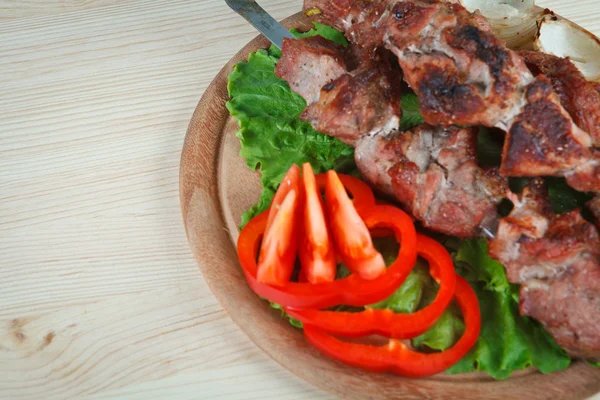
(216, 187)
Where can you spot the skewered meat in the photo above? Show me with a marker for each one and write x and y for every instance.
(541, 141)
(365, 102)
(464, 75)
(556, 259)
(577, 95)
(433, 173)
(348, 105)
(309, 64)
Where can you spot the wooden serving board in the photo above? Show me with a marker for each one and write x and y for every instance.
(216, 187)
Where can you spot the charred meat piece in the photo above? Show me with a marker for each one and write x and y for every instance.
(594, 206)
(577, 95)
(556, 259)
(543, 139)
(309, 64)
(568, 307)
(433, 173)
(462, 73)
(362, 103)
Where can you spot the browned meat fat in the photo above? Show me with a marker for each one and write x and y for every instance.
(577, 95)
(308, 64)
(364, 102)
(433, 173)
(543, 140)
(464, 75)
(556, 259)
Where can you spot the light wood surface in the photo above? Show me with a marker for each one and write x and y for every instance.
(99, 294)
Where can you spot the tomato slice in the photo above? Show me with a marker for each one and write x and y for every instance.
(278, 249)
(363, 198)
(291, 181)
(386, 322)
(351, 235)
(317, 251)
(352, 290)
(395, 356)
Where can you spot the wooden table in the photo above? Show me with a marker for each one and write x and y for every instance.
(99, 293)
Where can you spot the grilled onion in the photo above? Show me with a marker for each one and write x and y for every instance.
(513, 21)
(560, 37)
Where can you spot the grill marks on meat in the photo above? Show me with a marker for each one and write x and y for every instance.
(310, 63)
(543, 140)
(556, 259)
(463, 74)
(433, 173)
(363, 103)
(346, 105)
(577, 95)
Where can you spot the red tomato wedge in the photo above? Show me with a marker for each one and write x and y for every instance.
(352, 290)
(351, 235)
(278, 249)
(291, 181)
(363, 198)
(316, 252)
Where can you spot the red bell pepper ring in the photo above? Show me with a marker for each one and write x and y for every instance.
(317, 250)
(386, 322)
(395, 356)
(353, 290)
(350, 233)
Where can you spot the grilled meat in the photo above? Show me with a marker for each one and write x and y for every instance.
(556, 259)
(433, 173)
(594, 206)
(586, 178)
(464, 75)
(543, 140)
(577, 95)
(364, 102)
(309, 64)
(347, 105)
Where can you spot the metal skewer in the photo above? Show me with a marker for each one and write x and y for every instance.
(261, 20)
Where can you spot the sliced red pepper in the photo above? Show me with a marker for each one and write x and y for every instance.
(278, 250)
(363, 198)
(386, 322)
(317, 251)
(353, 290)
(351, 235)
(395, 356)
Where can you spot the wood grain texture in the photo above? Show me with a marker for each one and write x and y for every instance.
(99, 293)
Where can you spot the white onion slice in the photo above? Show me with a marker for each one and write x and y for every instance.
(563, 38)
(513, 21)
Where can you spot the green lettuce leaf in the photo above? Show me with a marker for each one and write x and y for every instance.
(411, 113)
(407, 297)
(508, 341)
(271, 133)
(324, 31)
